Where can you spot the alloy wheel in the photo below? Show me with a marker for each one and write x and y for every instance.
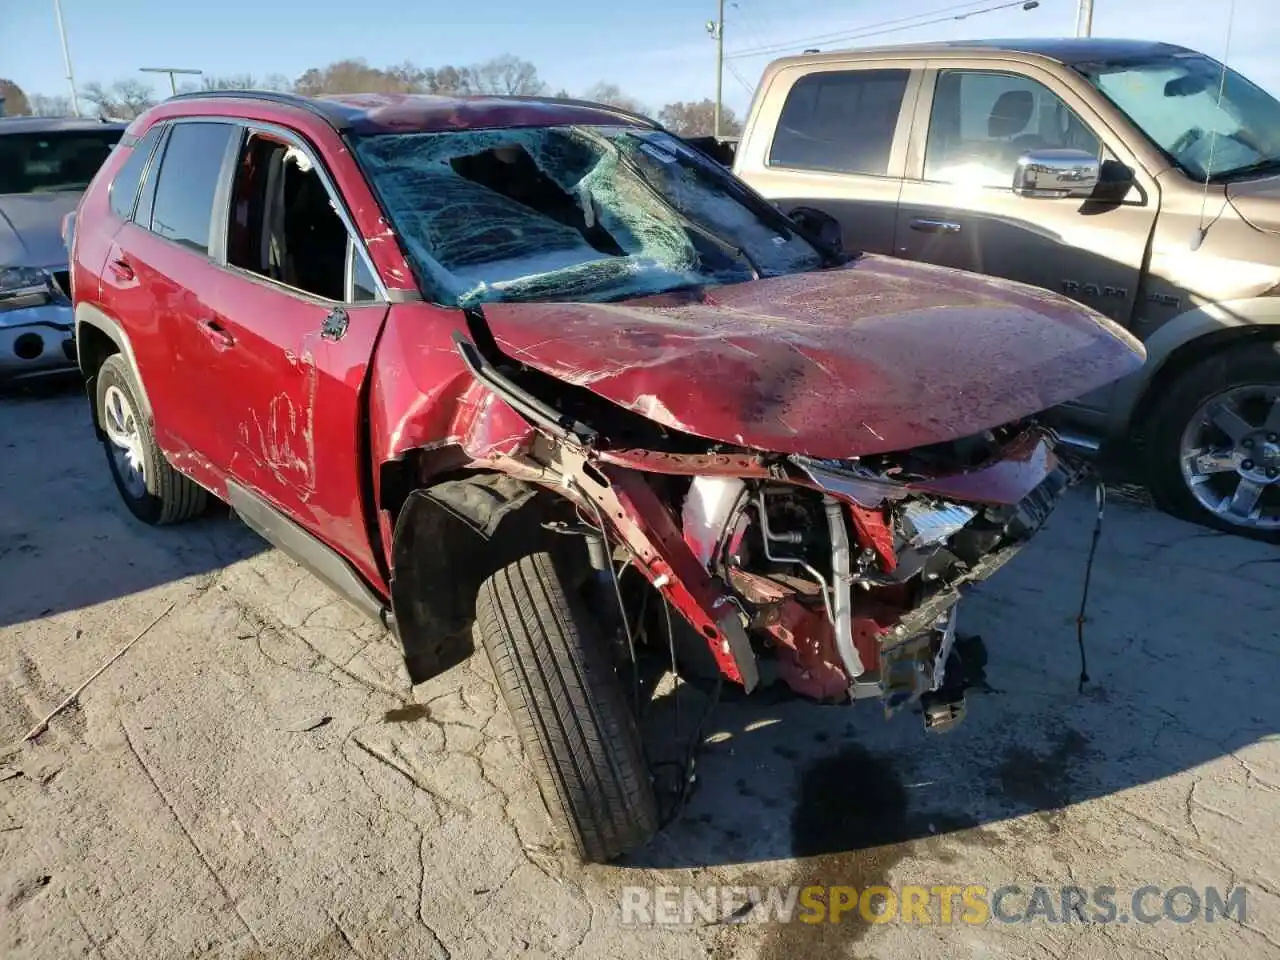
(121, 426)
(1230, 456)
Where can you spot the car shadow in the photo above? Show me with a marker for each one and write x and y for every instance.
(66, 539)
(1183, 645)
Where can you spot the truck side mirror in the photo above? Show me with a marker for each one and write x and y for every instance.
(1055, 174)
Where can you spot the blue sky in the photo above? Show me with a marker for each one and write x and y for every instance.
(657, 51)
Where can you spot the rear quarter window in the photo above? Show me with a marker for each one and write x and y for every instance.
(124, 188)
(840, 121)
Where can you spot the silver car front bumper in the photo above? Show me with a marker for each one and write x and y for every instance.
(36, 341)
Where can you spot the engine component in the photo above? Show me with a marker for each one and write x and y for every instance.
(842, 583)
(708, 511)
(925, 524)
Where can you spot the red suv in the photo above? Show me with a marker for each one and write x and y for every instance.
(539, 372)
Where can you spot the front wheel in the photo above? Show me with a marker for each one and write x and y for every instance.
(1213, 443)
(569, 707)
(153, 491)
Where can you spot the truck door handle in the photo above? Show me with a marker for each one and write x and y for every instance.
(935, 226)
(219, 335)
(120, 268)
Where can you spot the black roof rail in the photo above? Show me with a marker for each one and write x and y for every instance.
(340, 115)
(337, 116)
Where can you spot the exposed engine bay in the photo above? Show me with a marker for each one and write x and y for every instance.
(850, 588)
(839, 578)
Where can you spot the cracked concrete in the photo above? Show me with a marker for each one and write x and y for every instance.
(256, 778)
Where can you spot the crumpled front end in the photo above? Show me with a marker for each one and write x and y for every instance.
(848, 573)
(836, 577)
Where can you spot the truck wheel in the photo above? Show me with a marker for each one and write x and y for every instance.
(569, 707)
(1213, 443)
(153, 491)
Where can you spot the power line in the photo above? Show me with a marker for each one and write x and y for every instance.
(737, 76)
(836, 34)
(874, 29)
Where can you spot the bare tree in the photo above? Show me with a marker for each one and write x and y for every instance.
(507, 75)
(123, 100)
(15, 101)
(47, 106)
(697, 119)
(612, 94)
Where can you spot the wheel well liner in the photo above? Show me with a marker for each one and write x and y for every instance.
(1187, 356)
(448, 539)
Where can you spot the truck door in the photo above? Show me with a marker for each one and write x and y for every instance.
(833, 136)
(958, 208)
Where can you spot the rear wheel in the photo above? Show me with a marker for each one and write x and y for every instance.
(569, 707)
(153, 491)
(1214, 443)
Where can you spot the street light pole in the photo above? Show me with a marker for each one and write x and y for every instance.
(171, 71)
(1084, 19)
(716, 29)
(66, 57)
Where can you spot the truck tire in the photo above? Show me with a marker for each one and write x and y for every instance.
(153, 491)
(1227, 405)
(569, 708)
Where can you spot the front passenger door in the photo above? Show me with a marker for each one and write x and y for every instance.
(958, 208)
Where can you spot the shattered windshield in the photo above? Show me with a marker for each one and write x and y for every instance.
(570, 213)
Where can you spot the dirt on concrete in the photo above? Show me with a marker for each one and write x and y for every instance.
(257, 778)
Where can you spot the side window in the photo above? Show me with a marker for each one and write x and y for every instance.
(981, 123)
(124, 188)
(283, 225)
(189, 171)
(362, 287)
(840, 121)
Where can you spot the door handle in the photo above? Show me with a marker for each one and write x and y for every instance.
(120, 268)
(935, 226)
(219, 335)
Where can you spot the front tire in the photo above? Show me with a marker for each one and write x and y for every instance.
(153, 491)
(1213, 443)
(569, 707)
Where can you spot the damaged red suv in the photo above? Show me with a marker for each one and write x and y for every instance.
(538, 373)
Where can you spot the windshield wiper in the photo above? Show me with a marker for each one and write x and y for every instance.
(685, 221)
(1260, 166)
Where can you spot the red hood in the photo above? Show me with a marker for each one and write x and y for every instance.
(878, 356)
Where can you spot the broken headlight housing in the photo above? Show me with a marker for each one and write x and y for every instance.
(18, 282)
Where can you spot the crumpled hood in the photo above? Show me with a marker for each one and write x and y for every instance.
(31, 228)
(877, 356)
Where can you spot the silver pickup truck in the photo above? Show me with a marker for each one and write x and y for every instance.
(1142, 179)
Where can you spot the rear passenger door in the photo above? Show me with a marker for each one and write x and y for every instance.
(839, 145)
(158, 279)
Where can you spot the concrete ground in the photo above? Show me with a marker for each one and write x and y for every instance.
(256, 778)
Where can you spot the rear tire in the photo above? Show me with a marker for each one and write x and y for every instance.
(1237, 371)
(153, 491)
(569, 708)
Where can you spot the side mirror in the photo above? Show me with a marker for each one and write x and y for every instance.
(1056, 173)
(823, 226)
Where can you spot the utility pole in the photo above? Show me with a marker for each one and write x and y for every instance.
(66, 57)
(173, 83)
(716, 29)
(1084, 19)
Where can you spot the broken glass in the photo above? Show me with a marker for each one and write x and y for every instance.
(568, 213)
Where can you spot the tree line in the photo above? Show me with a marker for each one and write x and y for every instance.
(505, 75)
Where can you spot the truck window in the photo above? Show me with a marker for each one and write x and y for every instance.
(981, 123)
(842, 122)
(283, 224)
(188, 181)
